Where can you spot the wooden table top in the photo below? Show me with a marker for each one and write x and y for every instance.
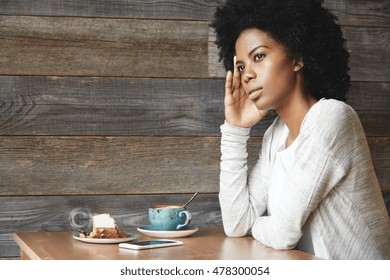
(207, 243)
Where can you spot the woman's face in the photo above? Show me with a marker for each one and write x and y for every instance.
(267, 74)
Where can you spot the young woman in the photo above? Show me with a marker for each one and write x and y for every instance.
(314, 186)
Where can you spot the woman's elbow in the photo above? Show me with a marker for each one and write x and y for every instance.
(283, 245)
(235, 231)
(277, 242)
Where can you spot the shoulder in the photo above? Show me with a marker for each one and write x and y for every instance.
(329, 117)
(331, 110)
(334, 127)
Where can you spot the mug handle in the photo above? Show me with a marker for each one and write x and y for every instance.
(188, 219)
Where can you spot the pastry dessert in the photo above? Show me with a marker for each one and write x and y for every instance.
(105, 227)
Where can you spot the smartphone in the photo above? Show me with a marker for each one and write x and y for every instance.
(150, 244)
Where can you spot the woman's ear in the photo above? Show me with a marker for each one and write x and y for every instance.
(298, 64)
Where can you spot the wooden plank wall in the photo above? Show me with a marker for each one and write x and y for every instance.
(113, 105)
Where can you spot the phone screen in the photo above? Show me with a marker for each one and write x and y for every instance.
(149, 244)
(152, 242)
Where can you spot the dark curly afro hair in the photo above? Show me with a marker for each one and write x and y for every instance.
(305, 28)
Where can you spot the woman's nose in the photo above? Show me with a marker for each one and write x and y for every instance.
(249, 74)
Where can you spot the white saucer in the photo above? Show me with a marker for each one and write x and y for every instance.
(130, 236)
(148, 230)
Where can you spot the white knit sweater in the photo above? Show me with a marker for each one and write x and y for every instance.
(330, 188)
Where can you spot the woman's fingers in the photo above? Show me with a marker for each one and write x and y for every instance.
(233, 80)
(228, 83)
(236, 75)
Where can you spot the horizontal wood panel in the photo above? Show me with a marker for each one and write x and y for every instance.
(386, 197)
(349, 12)
(144, 48)
(369, 96)
(108, 165)
(58, 213)
(102, 47)
(177, 9)
(361, 12)
(127, 165)
(110, 106)
(380, 153)
(125, 106)
(369, 53)
(375, 123)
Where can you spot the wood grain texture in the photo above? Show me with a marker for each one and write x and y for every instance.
(349, 12)
(102, 47)
(386, 197)
(108, 165)
(124, 106)
(380, 153)
(369, 46)
(127, 165)
(361, 12)
(58, 213)
(145, 48)
(110, 106)
(369, 96)
(206, 244)
(158, 9)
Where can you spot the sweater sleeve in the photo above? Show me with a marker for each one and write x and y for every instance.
(321, 162)
(239, 206)
(313, 176)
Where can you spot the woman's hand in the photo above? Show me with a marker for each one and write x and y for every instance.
(239, 109)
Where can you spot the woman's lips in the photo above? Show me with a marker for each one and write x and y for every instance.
(254, 94)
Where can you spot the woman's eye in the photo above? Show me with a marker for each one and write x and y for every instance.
(259, 56)
(240, 68)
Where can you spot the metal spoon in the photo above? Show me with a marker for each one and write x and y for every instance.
(192, 198)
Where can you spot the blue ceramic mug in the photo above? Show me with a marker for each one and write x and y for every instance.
(169, 217)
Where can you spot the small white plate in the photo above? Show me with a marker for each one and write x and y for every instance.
(130, 236)
(148, 230)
